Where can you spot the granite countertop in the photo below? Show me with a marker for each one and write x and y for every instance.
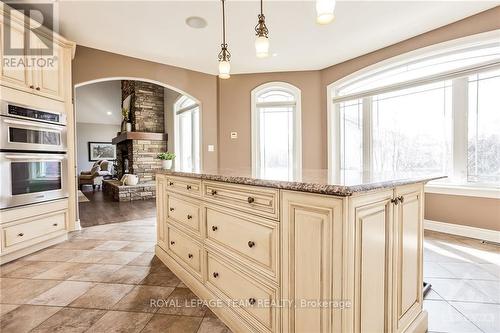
(310, 180)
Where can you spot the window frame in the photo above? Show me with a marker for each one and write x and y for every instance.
(176, 112)
(297, 121)
(459, 78)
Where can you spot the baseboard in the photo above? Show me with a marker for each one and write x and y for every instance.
(463, 230)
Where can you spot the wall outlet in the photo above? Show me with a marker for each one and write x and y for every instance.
(211, 148)
(234, 135)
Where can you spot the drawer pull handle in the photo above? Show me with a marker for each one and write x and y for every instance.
(395, 201)
(172, 243)
(214, 228)
(216, 275)
(188, 187)
(251, 244)
(37, 88)
(55, 224)
(20, 234)
(251, 200)
(32, 86)
(190, 256)
(213, 192)
(252, 301)
(172, 209)
(170, 183)
(401, 199)
(189, 217)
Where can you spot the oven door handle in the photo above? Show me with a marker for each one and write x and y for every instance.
(33, 124)
(36, 157)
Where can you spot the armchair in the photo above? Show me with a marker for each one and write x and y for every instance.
(100, 170)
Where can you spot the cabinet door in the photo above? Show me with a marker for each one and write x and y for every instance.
(13, 70)
(49, 76)
(311, 249)
(160, 212)
(408, 242)
(370, 254)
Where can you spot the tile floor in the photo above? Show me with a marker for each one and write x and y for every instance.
(103, 278)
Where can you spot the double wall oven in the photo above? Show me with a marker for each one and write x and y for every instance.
(33, 155)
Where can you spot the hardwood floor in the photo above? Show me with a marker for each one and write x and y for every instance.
(103, 210)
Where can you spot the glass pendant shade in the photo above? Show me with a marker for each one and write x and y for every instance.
(262, 46)
(224, 69)
(324, 11)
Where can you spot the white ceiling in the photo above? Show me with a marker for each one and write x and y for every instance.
(95, 101)
(156, 30)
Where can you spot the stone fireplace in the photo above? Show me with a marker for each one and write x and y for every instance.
(136, 150)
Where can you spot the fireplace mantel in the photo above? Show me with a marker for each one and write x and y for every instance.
(139, 136)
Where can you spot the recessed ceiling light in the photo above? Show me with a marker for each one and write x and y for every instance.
(196, 22)
(109, 113)
(275, 54)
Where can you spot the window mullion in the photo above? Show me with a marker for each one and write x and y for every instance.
(367, 137)
(460, 104)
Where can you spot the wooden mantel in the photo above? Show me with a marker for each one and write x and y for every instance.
(139, 136)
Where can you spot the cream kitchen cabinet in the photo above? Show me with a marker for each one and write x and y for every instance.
(321, 259)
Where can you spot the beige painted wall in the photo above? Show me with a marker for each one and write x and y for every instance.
(470, 211)
(91, 64)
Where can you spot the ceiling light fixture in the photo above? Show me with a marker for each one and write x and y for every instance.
(324, 11)
(262, 40)
(109, 113)
(224, 54)
(196, 22)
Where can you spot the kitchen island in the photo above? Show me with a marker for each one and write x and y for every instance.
(306, 254)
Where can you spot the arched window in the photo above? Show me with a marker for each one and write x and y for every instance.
(432, 111)
(276, 131)
(187, 134)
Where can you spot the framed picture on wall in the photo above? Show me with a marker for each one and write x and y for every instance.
(102, 151)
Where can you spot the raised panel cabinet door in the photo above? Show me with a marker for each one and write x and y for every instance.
(408, 242)
(371, 248)
(49, 76)
(13, 70)
(311, 249)
(160, 212)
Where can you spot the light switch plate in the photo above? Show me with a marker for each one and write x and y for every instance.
(234, 135)
(211, 148)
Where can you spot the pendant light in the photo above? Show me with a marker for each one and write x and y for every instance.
(324, 11)
(224, 55)
(262, 40)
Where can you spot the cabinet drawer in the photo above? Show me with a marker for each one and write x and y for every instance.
(22, 232)
(186, 186)
(255, 200)
(184, 211)
(186, 249)
(252, 297)
(252, 238)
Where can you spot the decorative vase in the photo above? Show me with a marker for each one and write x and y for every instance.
(128, 127)
(166, 164)
(124, 125)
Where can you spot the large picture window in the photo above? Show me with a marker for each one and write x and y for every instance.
(187, 134)
(438, 113)
(276, 144)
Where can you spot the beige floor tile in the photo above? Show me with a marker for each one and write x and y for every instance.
(89, 256)
(141, 298)
(161, 278)
(458, 290)
(4, 308)
(172, 324)
(121, 322)
(79, 244)
(444, 318)
(102, 296)
(139, 246)
(112, 246)
(8, 283)
(213, 325)
(129, 274)
(493, 269)
(32, 269)
(433, 296)
(24, 290)
(12, 266)
(183, 301)
(96, 273)
(467, 271)
(70, 321)
(62, 294)
(485, 316)
(25, 318)
(63, 271)
(489, 288)
(51, 255)
(119, 257)
(145, 259)
(434, 269)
